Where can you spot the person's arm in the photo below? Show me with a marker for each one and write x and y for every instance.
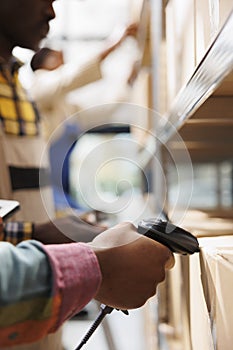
(47, 233)
(49, 85)
(116, 39)
(62, 230)
(42, 286)
(67, 229)
(70, 76)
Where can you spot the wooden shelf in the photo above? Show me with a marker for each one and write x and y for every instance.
(227, 87)
(198, 123)
(212, 77)
(209, 223)
(208, 133)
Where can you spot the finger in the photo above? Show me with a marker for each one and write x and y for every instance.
(170, 262)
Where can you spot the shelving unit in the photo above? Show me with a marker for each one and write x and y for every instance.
(197, 126)
(205, 102)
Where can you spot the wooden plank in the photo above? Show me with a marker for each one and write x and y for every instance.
(215, 107)
(226, 88)
(210, 122)
(200, 151)
(218, 134)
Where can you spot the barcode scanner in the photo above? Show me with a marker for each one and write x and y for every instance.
(175, 238)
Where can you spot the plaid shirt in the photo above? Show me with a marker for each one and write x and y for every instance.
(24, 174)
(17, 231)
(18, 115)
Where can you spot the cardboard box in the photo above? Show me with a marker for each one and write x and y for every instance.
(180, 17)
(191, 27)
(200, 321)
(214, 308)
(199, 297)
(225, 7)
(174, 307)
(210, 16)
(203, 33)
(208, 223)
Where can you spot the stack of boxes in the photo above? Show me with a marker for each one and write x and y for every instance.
(195, 302)
(211, 282)
(196, 310)
(191, 26)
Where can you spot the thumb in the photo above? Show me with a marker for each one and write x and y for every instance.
(170, 262)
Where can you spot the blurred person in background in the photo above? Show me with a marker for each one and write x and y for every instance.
(53, 78)
(25, 23)
(23, 177)
(52, 81)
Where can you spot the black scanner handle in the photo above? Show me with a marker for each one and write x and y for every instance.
(175, 238)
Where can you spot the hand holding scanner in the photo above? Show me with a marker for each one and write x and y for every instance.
(175, 238)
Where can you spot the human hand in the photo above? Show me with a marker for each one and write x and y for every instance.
(132, 266)
(132, 29)
(134, 72)
(117, 37)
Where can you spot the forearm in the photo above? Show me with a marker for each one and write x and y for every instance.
(42, 286)
(61, 81)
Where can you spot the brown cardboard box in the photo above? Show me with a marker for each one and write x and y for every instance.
(180, 44)
(208, 223)
(200, 322)
(210, 15)
(216, 267)
(174, 306)
(191, 27)
(203, 33)
(199, 297)
(225, 7)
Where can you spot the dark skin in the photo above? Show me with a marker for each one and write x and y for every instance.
(29, 24)
(131, 265)
(25, 23)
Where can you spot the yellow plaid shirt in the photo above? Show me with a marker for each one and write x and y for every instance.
(18, 114)
(18, 117)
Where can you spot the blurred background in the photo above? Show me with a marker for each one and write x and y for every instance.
(157, 146)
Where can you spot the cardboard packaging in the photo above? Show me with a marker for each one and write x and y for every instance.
(200, 320)
(173, 297)
(210, 16)
(197, 308)
(180, 17)
(211, 283)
